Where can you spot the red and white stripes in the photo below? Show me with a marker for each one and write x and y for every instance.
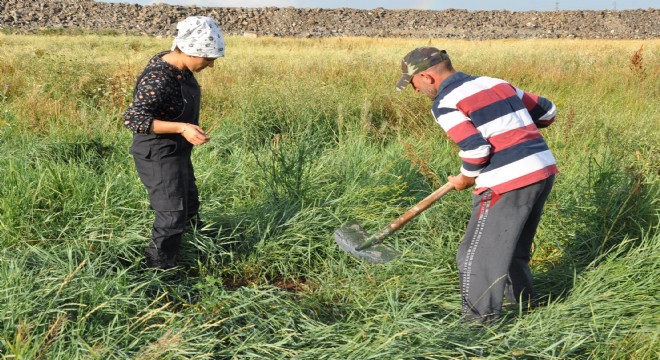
(496, 128)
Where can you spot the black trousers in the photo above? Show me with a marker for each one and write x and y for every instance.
(493, 258)
(165, 168)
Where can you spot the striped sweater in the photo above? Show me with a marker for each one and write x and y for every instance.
(496, 128)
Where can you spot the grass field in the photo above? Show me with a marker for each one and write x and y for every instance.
(307, 134)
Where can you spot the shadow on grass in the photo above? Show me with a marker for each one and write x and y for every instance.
(93, 153)
(615, 205)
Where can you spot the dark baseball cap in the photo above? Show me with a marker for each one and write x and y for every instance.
(417, 61)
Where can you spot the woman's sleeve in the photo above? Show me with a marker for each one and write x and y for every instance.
(148, 98)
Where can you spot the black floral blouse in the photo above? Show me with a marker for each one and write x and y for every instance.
(157, 95)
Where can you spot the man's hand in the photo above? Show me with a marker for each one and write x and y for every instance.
(461, 181)
(194, 134)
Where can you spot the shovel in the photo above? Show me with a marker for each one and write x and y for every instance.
(353, 239)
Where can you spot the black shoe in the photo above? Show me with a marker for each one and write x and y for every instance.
(160, 261)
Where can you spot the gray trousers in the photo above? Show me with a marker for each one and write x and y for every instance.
(493, 258)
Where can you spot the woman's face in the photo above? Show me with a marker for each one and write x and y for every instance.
(197, 64)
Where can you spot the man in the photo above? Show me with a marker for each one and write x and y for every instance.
(504, 156)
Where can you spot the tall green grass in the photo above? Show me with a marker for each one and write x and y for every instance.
(307, 134)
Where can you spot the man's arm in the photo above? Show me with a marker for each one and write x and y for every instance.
(542, 110)
(475, 151)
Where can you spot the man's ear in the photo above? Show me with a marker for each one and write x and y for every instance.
(428, 78)
(431, 78)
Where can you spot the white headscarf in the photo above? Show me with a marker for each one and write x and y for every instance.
(199, 36)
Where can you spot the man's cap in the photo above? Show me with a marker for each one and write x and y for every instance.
(417, 61)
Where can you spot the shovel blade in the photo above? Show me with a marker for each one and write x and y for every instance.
(350, 236)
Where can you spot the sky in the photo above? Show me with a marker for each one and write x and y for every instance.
(513, 5)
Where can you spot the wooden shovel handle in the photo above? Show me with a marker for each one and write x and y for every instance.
(407, 216)
(420, 207)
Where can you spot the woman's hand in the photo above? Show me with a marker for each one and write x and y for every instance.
(194, 134)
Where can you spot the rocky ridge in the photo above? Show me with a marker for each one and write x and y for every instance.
(160, 20)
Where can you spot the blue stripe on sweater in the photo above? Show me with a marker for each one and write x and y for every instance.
(472, 142)
(542, 107)
(515, 153)
(496, 110)
(437, 112)
(472, 167)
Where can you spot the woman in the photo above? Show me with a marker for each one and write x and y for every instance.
(164, 118)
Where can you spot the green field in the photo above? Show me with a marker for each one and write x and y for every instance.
(307, 134)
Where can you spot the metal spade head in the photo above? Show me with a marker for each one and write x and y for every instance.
(350, 236)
